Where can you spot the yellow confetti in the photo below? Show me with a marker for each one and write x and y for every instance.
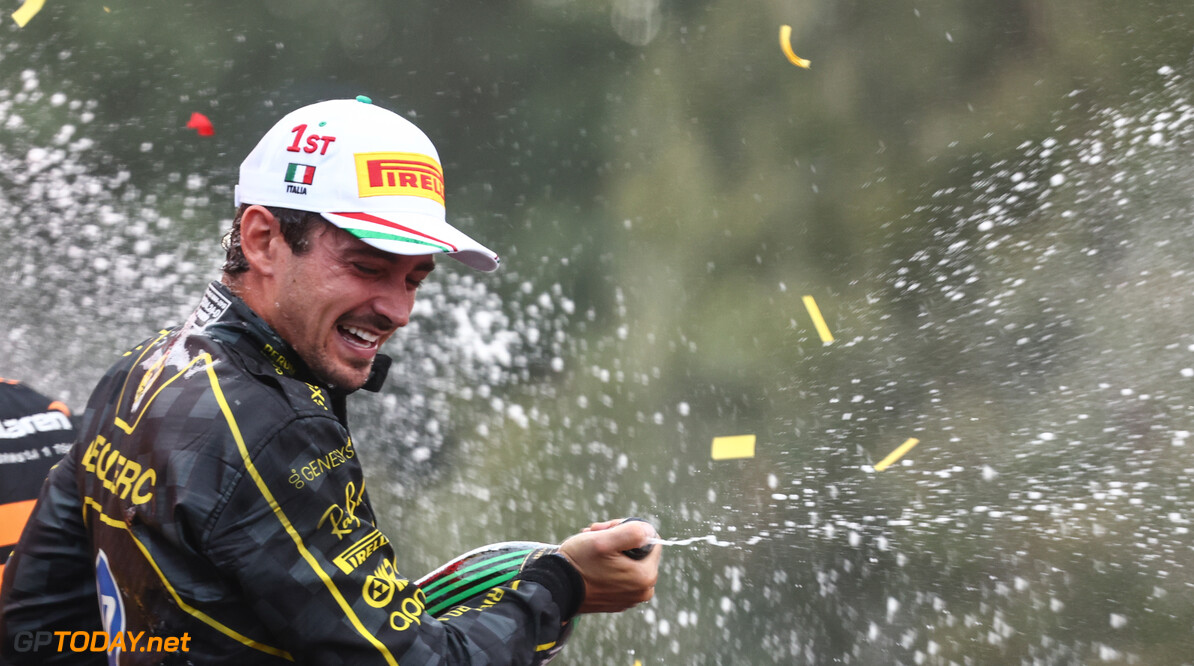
(818, 320)
(27, 11)
(897, 454)
(738, 446)
(785, 43)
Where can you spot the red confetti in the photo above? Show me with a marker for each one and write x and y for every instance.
(200, 123)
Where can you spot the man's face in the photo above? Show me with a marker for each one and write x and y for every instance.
(337, 303)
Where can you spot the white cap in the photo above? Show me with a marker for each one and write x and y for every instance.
(366, 170)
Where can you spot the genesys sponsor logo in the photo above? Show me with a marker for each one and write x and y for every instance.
(98, 641)
(315, 467)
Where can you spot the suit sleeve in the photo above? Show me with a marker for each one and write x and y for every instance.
(49, 584)
(301, 537)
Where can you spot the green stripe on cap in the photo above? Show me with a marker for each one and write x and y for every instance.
(363, 234)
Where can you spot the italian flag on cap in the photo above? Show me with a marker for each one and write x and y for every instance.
(302, 174)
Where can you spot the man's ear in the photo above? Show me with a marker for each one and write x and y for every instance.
(261, 239)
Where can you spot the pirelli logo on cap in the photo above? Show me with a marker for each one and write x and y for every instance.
(409, 174)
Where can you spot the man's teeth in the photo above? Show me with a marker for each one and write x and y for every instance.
(364, 335)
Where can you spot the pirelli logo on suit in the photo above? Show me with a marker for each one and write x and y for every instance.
(356, 554)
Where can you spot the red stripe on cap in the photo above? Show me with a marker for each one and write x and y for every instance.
(366, 217)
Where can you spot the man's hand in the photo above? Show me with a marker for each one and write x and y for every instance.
(613, 581)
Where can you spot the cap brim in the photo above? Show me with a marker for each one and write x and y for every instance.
(410, 233)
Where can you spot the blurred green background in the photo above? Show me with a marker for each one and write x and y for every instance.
(990, 202)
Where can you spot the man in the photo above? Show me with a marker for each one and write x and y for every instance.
(35, 432)
(215, 497)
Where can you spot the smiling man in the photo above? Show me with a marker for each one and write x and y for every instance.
(336, 303)
(213, 509)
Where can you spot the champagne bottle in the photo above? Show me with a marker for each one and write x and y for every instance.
(487, 567)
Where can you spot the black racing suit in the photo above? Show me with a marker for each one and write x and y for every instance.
(214, 492)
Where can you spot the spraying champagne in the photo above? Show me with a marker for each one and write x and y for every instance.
(484, 568)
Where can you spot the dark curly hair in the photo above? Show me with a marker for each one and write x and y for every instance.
(296, 226)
